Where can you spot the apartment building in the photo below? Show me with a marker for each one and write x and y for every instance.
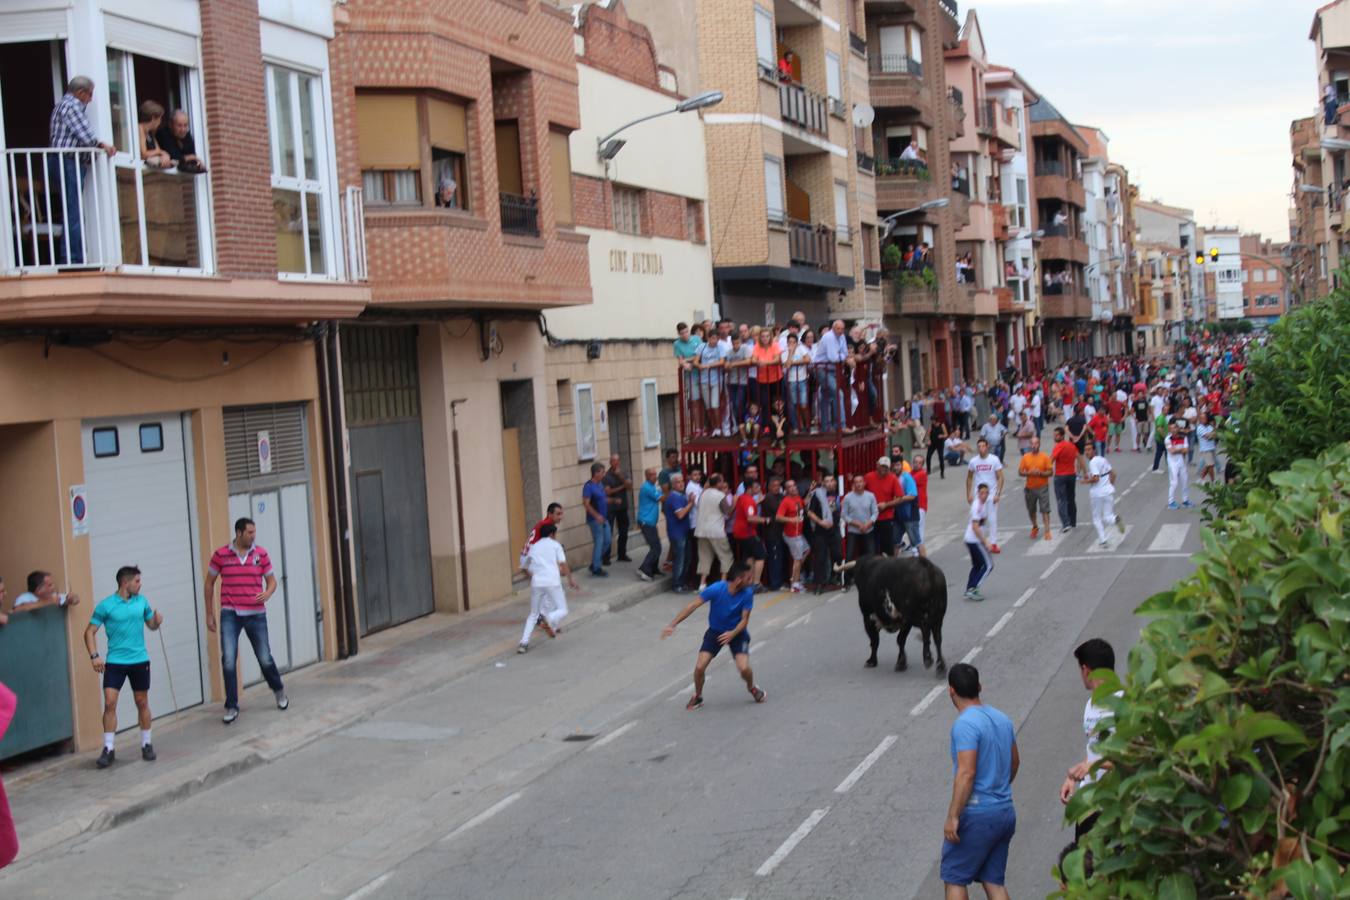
(614, 386)
(461, 115)
(791, 210)
(165, 329)
(1066, 310)
(1330, 34)
(1265, 285)
(1167, 295)
(1307, 224)
(1120, 250)
(1224, 275)
(1018, 329)
(1108, 256)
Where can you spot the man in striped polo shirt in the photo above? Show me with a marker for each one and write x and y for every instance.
(246, 584)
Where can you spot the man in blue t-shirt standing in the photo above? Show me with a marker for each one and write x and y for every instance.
(729, 604)
(981, 820)
(124, 615)
(596, 503)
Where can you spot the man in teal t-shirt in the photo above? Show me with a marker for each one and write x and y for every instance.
(124, 616)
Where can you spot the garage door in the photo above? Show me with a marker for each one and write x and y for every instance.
(139, 480)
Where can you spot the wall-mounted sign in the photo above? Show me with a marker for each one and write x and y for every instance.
(636, 263)
(79, 510)
(264, 453)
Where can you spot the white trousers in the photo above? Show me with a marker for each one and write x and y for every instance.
(991, 519)
(1103, 513)
(1178, 479)
(549, 602)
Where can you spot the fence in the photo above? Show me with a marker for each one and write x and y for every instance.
(35, 665)
(58, 203)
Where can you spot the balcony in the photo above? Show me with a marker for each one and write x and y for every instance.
(956, 113)
(902, 185)
(812, 246)
(1063, 247)
(520, 215)
(866, 163)
(804, 108)
(1052, 183)
(992, 120)
(1004, 297)
(998, 213)
(857, 43)
(1065, 302)
(897, 83)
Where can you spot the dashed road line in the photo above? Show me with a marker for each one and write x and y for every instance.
(998, 626)
(614, 735)
(1026, 595)
(867, 763)
(800, 620)
(1169, 537)
(928, 699)
(791, 843)
(1050, 570)
(482, 817)
(1113, 541)
(971, 654)
(370, 887)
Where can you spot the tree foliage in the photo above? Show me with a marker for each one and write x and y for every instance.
(1296, 402)
(1229, 744)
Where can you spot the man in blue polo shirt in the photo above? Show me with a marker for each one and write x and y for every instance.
(981, 820)
(124, 615)
(729, 604)
(595, 501)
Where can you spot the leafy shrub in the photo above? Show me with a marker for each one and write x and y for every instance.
(1230, 743)
(891, 257)
(1297, 400)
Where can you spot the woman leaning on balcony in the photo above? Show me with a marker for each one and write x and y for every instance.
(148, 118)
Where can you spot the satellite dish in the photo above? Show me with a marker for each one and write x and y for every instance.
(863, 114)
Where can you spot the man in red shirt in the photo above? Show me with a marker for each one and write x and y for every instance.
(1100, 426)
(1065, 458)
(920, 475)
(744, 519)
(883, 485)
(792, 513)
(553, 517)
(1115, 411)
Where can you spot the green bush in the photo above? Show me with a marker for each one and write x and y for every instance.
(1298, 403)
(891, 257)
(1230, 742)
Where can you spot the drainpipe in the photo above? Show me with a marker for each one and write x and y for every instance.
(335, 462)
(459, 501)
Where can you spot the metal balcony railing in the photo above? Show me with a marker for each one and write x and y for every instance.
(803, 107)
(1050, 167)
(896, 64)
(520, 215)
(866, 163)
(858, 43)
(354, 223)
(949, 7)
(58, 209)
(812, 245)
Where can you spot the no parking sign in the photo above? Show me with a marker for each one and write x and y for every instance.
(264, 453)
(79, 510)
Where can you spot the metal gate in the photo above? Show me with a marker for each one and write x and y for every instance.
(389, 485)
(267, 465)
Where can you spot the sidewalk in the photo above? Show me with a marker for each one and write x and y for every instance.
(61, 799)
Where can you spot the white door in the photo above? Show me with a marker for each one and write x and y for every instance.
(893, 47)
(138, 475)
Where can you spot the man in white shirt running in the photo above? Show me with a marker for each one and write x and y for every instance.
(1102, 492)
(1092, 655)
(547, 564)
(985, 469)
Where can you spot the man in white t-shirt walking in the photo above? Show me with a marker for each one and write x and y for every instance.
(1101, 478)
(1178, 474)
(985, 469)
(547, 564)
(1092, 655)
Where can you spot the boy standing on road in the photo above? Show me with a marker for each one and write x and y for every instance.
(981, 819)
(986, 469)
(729, 605)
(125, 615)
(1092, 655)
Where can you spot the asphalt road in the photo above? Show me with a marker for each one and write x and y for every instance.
(575, 771)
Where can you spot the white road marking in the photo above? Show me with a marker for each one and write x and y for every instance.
(971, 654)
(1051, 569)
(998, 626)
(1113, 540)
(1040, 547)
(937, 543)
(1132, 556)
(790, 844)
(370, 887)
(759, 646)
(800, 620)
(683, 679)
(866, 764)
(927, 700)
(482, 817)
(1026, 595)
(1170, 537)
(614, 735)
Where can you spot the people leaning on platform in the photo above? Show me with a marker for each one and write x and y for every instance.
(41, 593)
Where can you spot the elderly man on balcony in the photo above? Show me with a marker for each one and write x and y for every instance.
(70, 130)
(830, 353)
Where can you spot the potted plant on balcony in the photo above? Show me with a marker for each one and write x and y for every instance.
(891, 257)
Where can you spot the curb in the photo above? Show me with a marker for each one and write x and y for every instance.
(240, 760)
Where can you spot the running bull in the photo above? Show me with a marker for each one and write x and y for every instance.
(897, 594)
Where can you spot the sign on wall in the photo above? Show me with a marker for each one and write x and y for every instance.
(264, 453)
(79, 510)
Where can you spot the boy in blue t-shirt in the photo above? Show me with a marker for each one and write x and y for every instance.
(729, 604)
(124, 616)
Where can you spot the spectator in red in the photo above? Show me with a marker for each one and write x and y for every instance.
(921, 481)
(1115, 412)
(882, 484)
(1100, 426)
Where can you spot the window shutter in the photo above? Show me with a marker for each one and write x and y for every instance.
(560, 160)
(285, 427)
(387, 136)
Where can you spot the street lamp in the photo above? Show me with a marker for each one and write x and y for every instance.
(1034, 235)
(607, 148)
(889, 221)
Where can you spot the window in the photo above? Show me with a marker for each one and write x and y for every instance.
(627, 210)
(765, 46)
(560, 160)
(773, 189)
(1023, 217)
(693, 221)
(106, 443)
(564, 389)
(651, 414)
(834, 79)
(401, 134)
(841, 211)
(152, 438)
(294, 103)
(1244, 276)
(585, 422)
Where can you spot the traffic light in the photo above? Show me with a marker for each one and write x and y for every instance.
(1199, 258)
(1214, 254)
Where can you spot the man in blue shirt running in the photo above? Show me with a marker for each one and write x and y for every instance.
(124, 615)
(981, 820)
(729, 604)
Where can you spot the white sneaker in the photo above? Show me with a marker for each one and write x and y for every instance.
(1103, 543)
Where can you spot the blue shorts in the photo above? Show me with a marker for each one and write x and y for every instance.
(982, 854)
(739, 644)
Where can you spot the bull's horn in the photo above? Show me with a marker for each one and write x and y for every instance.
(845, 566)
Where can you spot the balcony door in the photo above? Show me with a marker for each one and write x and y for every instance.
(32, 79)
(162, 215)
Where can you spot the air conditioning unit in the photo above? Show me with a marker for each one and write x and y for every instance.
(838, 109)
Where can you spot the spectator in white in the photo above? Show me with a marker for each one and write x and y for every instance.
(797, 362)
(859, 512)
(986, 470)
(1205, 434)
(1178, 475)
(1102, 493)
(68, 173)
(1092, 655)
(42, 593)
(710, 525)
(994, 432)
(911, 156)
(546, 564)
(954, 449)
(1061, 217)
(831, 348)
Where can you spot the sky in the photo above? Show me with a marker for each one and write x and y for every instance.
(1196, 96)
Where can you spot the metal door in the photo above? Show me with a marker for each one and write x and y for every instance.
(389, 486)
(621, 443)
